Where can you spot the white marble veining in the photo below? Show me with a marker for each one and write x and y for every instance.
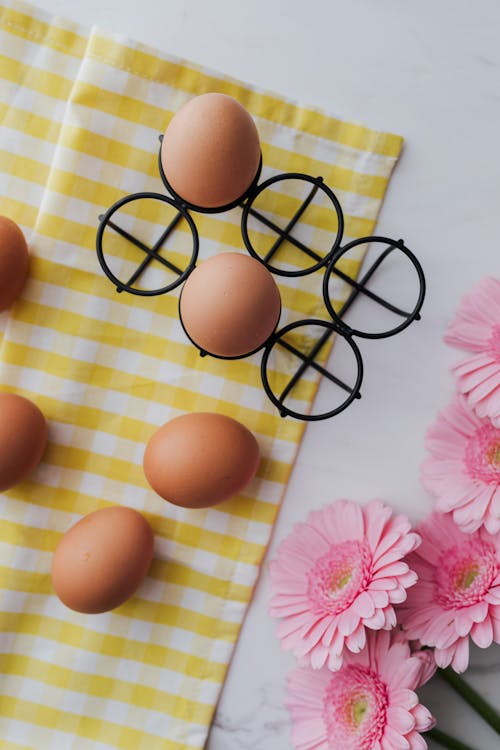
(430, 71)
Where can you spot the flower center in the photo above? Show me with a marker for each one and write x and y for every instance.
(338, 577)
(354, 709)
(495, 455)
(465, 573)
(482, 454)
(493, 345)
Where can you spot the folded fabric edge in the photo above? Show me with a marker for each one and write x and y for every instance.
(152, 64)
(38, 25)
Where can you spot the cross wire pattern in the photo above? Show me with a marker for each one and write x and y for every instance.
(284, 234)
(358, 287)
(151, 253)
(309, 360)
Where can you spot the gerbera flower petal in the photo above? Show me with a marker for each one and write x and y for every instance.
(393, 657)
(407, 675)
(334, 662)
(380, 515)
(482, 633)
(383, 584)
(424, 720)
(444, 656)
(495, 621)
(390, 618)
(479, 611)
(398, 595)
(416, 741)
(456, 596)
(404, 697)
(397, 740)
(348, 621)
(478, 378)
(357, 707)
(471, 327)
(493, 596)
(460, 660)
(364, 605)
(428, 663)
(332, 637)
(476, 328)
(408, 579)
(463, 469)
(380, 599)
(319, 657)
(395, 570)
(326, 582)
(357, 640)
(377, 621)
(463, 623)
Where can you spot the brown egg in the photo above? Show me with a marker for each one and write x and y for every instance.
(230, 305)
(210, 152)
(14, 260)
(23, 437)
(101, 561)
(197, 460)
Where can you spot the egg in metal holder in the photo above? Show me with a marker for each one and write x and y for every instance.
(209, 158)
(204, 149)
(229, 306)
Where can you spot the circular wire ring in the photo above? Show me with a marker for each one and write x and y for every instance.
(105, 220)
(285, 233)
(409, 317)
(332, 327)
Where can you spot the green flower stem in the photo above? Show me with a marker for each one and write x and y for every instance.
(446, 740)
(484, 709)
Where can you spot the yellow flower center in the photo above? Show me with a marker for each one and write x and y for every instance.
(359, 710)
(482, 455)
(496, 455)
(466, 577)
(340, 578)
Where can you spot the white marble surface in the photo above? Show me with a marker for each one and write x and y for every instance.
(429, 70)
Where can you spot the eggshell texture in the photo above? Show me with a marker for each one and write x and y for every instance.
(14, 259)
(200, 459)
(100, 562)
(23, 437)
(230, 305)
(210, 152)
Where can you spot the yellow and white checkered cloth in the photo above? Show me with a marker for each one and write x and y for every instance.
(80, 115)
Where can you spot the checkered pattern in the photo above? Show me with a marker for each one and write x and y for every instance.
(80, 115)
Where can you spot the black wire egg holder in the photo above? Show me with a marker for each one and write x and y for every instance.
(329, 262)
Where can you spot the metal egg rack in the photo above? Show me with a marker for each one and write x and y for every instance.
(330, 264)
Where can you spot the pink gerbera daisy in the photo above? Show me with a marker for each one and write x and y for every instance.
(476, 328)
(369, 704)
(463, 469)
(458, 591)
(338, 573)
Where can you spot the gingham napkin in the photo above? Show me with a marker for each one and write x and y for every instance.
(80, 114)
